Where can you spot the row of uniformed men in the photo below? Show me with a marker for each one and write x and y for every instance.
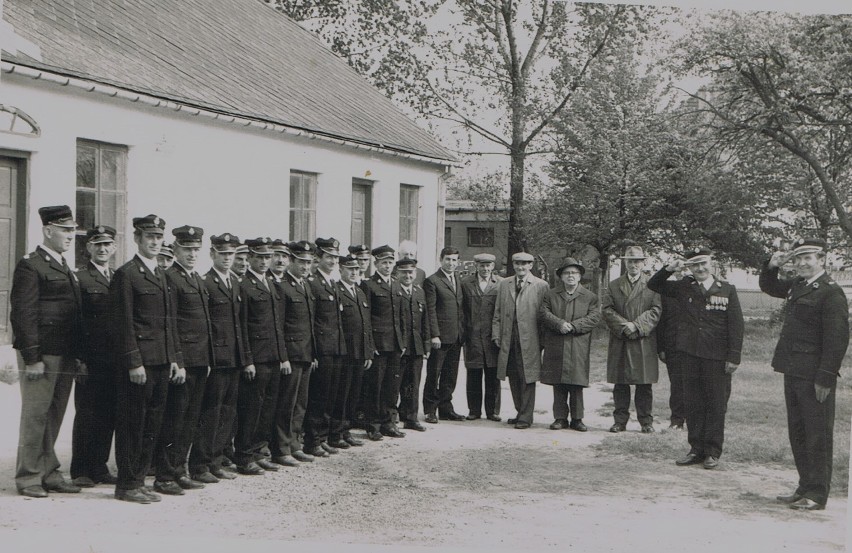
(209, 369)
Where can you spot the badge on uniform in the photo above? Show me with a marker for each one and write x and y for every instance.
(330, 298)
(365, 304)
(717, 303)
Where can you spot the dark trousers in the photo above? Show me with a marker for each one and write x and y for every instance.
(810, 425)
(568, 399)
(256, 402)
(523, 393)
(180, 421)
(94, 423)
(43, 404)
(342, 392)
(287, 429)
(411, 367)
(442, 369)
(218, 412)
(302, 406)
(643, 397)
(321, 394)
(356, 399)
(382, 383)
(474, 391)
(674, 366)
(137, 424)
(706, 392)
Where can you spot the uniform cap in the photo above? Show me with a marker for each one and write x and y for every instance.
(188, 236)
(167, 251)
(57, 215)
(359, 251)
(225, 243)
(383, 252)
(279, 246)
(330, 246)
(570, 262)
(260, 246)
(406, 265)
(301, 250)
(149, 223)
(809, 245)
(697, 255)
(484, 258)
(242, 248)
(100, 234)
(348, 262)
(523, 257)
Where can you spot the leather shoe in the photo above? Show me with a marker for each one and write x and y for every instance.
(168, 488)
(374, 435)
(250, 469)
(83, 482)
(392, 431)
(285, 461)
(62, 487)
(154, 497)
(354, 442)
(521, 425)
(711, 462)
(223, 474)
(331, 450)
(319, 452)
(689, 459)
(577, 424)
(792, 498)
(559, 424)
(511, 421)
(266, 464)
(106, 478)
(617, 427)
(472, 417)
(805, 504)
(414, 425)
(186, 483)
(32, 491)
(494, 418)
(302, 457)
(339, 444)
(431, 418)
(648, 429)
(206, 477)
(133, 496)
(452, 416)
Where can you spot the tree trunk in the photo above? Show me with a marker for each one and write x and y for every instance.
(517, 233)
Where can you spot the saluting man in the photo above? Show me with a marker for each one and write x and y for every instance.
(46, 323)
(94, 394)
(147, 355)
(711, 337)
(809, 353)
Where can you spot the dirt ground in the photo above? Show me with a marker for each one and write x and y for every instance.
(460, 486)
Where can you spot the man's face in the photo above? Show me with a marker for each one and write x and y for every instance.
(301, 267)
(222, 261)
(450, 262)
(187, 256)
(407, 253)
(522, 268)
(100, 252)
(364, 264)
(634, 266)
(280, 262)
(241, 263)
(164, 261)
(484, 270)
(385, 266)
(260, 263)
(328, 263)
(148, 243)
(406, 276)
(571, 277)
(809, 264)
(701, 271)
(59, 239)
(350, 275)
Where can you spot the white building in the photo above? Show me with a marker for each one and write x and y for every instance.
(222, 114)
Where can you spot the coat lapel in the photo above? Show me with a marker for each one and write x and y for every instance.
(149, 276)
(624, 286)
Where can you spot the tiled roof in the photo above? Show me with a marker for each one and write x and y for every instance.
(238, 57)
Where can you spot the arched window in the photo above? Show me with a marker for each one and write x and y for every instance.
(15, 121)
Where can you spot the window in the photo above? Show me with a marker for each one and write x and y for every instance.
(362, 212)
(303, 206)
(448, 236)
(15, 121)
(480, 237)
(409, 205)
(101, 194)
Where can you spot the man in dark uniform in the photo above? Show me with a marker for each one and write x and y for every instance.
(330, 347)
(298, 309)
(230, 355)
(46, 322)
(408, 250)
(362, 254)
(94, 394)
(415, 331)
(148, 357)
(668, 354)
(257, 396)
(446, 323)
(166, 257)
(183, 407)
(479, 298)
(383, 295)
(358, 357)
(240, 265)
(710, 336)
(809, 353)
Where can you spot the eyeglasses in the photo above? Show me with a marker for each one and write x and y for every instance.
(573, 273)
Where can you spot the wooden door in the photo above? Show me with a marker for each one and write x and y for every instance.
(361, 229)
(10, 237)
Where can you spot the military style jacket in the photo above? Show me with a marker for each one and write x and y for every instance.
(191, 298)
(385, 313)
(444, 303)
(328, 327)
(144, 326)
(358, 329)
(478, 306)
(711, 321)
(815, 334)
(94, 291)
(414, 320)
(299, 307)
(227, 321)
(45, 308)
(264, 319)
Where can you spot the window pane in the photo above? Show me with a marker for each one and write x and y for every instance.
(86, 172)
(86, 209)
(110, 169)
(109, 209)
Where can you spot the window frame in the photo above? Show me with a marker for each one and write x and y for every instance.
(410, 218)
(303, 218)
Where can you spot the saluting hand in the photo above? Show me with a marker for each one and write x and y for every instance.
(821, 392)
(675, 266)
(779, 258)
(34, 371)
(138, 375)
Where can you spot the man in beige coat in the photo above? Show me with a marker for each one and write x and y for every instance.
(515, 331)
(631, 312)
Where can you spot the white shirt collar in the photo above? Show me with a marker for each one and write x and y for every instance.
(261, 278)
(102, 270)
(327, 277)
(54, 254)
(634, 280)
(150, 263)
(409, 288)
(223, 276)
(383, 279)
(450, 276)
(708, 282)
(813, 278)
(185, 270)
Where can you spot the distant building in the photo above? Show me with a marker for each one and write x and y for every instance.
(473, 229)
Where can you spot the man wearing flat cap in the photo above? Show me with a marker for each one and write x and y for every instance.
(631, 312)
(569, 313)
(515, 331)
(147, 357)
(46, 323)
(710, 336)
(479, 297)
(809, 353)
(94, 393)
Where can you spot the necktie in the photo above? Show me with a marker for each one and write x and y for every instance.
(518, 284)
(106, 275)
(228, 283)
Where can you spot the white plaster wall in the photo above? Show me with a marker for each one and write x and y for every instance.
(216, 175)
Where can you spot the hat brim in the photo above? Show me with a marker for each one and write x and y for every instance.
(804, 250)
(560, 270)
(697, 259)
(643, 257)
(303, 256)
(101, 240)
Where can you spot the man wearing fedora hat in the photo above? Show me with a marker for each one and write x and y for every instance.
(809, 353)
(711, 337)
(46, 322)
(569, 313)
(631, 312)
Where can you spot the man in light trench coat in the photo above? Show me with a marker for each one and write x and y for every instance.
(631, 312)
